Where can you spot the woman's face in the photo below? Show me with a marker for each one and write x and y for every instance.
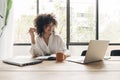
(49, 28)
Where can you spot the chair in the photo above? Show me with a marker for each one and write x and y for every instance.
(115, 53)
(83, 52)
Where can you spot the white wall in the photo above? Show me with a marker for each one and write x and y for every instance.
(21, 51)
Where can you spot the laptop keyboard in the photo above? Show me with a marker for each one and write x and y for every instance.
(77, 59)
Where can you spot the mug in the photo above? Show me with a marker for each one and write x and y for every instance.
(60, 57)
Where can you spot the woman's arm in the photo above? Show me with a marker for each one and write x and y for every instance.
(32, 35)
(35, 49)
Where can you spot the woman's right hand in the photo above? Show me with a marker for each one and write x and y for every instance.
(32, 32)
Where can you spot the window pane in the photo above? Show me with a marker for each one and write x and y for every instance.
(109, 25)
(82, 20)
(58, 8)
(24, 13)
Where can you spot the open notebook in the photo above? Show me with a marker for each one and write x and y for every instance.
(47, 57)
(21, 61)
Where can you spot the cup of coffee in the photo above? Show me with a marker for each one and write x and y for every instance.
(60, 57)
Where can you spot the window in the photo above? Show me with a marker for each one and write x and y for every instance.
(109, 21)
(57, 7)
(81, 20)
(24, 13)
(26, 10)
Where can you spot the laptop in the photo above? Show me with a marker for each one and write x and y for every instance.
(21, 61)
(95, 52)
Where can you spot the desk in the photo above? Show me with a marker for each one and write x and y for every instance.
(50, 70)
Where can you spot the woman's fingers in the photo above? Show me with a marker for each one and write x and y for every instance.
(32, 30)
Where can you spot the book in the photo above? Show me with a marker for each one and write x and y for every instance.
(21, 61)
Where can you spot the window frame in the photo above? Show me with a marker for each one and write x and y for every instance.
(68, 43)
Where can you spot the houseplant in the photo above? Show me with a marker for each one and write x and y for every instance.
(7, 10)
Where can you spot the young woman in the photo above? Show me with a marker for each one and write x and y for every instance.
(46, 42)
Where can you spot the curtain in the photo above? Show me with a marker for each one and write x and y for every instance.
(6, 39)
(3, 5)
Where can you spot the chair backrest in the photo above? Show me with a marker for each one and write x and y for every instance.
(115, 53)
(83, 52)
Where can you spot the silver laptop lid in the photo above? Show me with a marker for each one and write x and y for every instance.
(96, 50)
